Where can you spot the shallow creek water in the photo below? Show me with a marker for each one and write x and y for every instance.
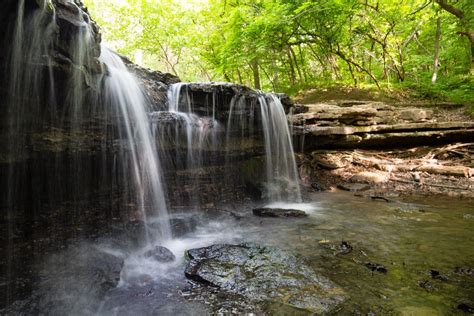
(408, 238)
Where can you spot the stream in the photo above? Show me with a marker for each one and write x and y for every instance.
(424, 247)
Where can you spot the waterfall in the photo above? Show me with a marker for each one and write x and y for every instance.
(281, 183)
(56, 113)
(31, 42)
(123, 92)
(282, 174)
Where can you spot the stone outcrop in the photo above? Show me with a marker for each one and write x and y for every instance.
(368, 124)
(155, 83)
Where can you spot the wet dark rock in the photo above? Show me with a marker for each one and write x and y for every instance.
(278, 212)
(438, 276)
(427, 285)
(155, 83)
(376, 267)
(464, 270)
(160, 254)
(319, 187)
(181, 226)
(344, 248)
(466, 308)
(300, 108)
(286, 101)
(71, 16)
(263, 273)
(72, 282)
(380, 198)
(87, 267)
(135, 232)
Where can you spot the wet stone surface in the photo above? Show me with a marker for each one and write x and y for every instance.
(278, 212)
(263, 274)
(376, 267)
(160, 254)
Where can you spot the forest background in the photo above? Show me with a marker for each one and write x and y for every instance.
(421, 47)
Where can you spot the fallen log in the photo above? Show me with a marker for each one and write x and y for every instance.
(447, 170)
(431, 166)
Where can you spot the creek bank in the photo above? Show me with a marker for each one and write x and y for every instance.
(393, 173)
(263, 273)
(372, 148)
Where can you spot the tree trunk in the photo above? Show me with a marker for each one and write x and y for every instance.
(295, 62)
(468, 32)
(256, 74)
(303, 64)
(292, 68)
(436, 51)
(240, 76)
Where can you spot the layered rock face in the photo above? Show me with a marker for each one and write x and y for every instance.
(369, 124)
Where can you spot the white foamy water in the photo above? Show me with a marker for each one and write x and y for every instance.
(141, 270)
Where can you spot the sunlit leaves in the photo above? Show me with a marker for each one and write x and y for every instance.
(292, 43)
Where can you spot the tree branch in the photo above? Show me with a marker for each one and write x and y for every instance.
(451, 9)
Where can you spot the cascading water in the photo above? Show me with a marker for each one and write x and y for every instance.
(192, 137)
(281, 184)
(31, 41)
(122, 91)
(282, 174)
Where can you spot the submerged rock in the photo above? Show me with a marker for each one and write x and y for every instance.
(464, 270)
(376, 267)
(354, 187)
(73, 282)
(427, 285)
(466, 308)
(438, 276)
(160, 254)
(344, 248)
(278, 212)
(263, 273)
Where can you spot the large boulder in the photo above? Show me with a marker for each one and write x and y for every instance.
(263, 274)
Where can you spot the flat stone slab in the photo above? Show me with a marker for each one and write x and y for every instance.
(263, 274)
(278, 212)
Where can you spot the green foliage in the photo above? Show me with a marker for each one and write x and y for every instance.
(458, 89)
(289, 45)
